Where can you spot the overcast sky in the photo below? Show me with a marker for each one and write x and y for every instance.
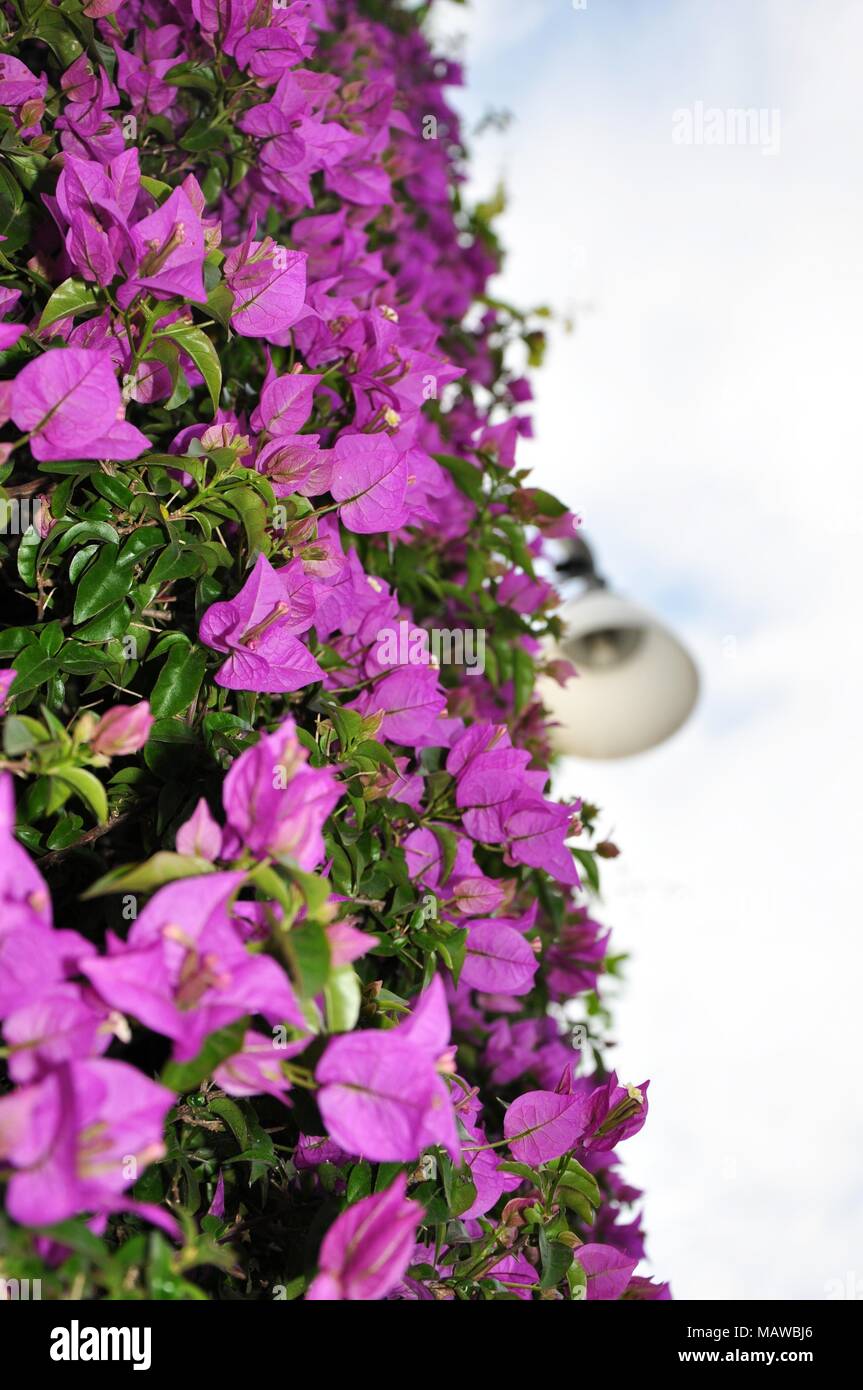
(704, 420)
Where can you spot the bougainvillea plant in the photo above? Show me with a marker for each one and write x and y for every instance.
(298, 966)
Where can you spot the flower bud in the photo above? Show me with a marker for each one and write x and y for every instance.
(32, 111)
(124, 729)
(86, 727)
(7, 676)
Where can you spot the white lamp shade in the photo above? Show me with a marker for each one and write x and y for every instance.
(636, 684)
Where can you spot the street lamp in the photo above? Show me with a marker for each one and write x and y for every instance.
(636, 684)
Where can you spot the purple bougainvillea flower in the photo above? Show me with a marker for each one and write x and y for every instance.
(62, 1023)
(257, 1069)
(315, 1149)
(97, 235)
(381, 1099)
(488, 773)
(368, 1248)
(270, 51)
(24, 897)
(370, 481)
(285, 403)
(296, 463)
(410, 699)
(347, 944)
(428, 1023)
(69, 402)
(80, 1137)
(123, 730)
(541, 1125)
(573, 961)
(608, 1270)
(268, 283)
(498, 959)
(478, 896)
(167, 256)
(614, 1113)
(10, 333)
(33, 956)
(258, 628)
(97, 9)
(217, 1206)
(185, 971)
(535, 832)
(483, 1161)
(17, 83)
(276, 804)
(201, 835)
(643, 1290)
(517, 1273)
(381, 1095)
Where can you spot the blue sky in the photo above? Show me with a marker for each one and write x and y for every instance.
(702, 418)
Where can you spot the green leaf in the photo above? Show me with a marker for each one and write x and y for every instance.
(202, 135)
(343, 996)
(556, 1260)
(252, 511)
(51, 638)
(163, 867)
(459, 1188)
(103, 585)
(220, 302)
(315, 890)
(545, 503)
(524, 676)
(183, 1077)
(231, 1113)
(81, 660)
(59, 37)
(87, 787)
(523, 1170)
(156, 188)
(164, 351)
(376, 752)
(33, 669)
(577, 1281)
(191, 75)
(449, 848)
(77, 1237)
(195, 343)
(28, 556)
(74, 296)
(66, 832)
(20, 734)
(179, 680)
(467, 477)
(309, 952)
(90, 530)
(386, 1175)
(577, 1177)
(587, 860)
(111, 622)
(359, 1181)
(172, 750)
(80, 560)
(11, 199)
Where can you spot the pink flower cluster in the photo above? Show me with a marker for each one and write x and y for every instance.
(360, 321)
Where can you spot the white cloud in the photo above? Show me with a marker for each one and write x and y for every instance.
(491, 28)
(703, 419)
